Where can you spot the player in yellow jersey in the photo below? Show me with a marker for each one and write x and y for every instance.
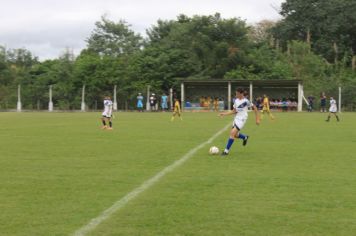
(216, 104)
(176, 110)
(265, 108)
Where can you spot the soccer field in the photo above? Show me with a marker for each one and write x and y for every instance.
(58, 171)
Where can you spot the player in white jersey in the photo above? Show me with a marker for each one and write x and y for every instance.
(107, 113)
(332, 109)
(241, 106)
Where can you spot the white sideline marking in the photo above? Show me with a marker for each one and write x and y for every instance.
(145, 185)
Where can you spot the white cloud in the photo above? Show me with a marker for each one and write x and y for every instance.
(47, 27)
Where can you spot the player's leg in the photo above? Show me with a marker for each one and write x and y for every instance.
(103, 120)
(270, 114)
(180, 115)
(239, 124)
(243, 137)
(234, 131)
(109, 119)
(263, 112)
(174, 114)
(231, 140)
(337, 117)
(328, 119)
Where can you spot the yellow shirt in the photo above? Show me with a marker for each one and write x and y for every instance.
(176, 106)
(266, 102)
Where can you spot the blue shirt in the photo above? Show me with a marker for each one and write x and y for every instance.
(164, 98)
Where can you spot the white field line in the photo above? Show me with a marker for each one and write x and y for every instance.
(145, 185)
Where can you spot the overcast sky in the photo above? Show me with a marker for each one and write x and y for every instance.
(47, 27)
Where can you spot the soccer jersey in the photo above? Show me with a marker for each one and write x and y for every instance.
(333, 107)
(176, 106)
(265, 103)
(107, 108)
(241, 107)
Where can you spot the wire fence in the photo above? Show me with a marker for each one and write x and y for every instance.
(38, 98)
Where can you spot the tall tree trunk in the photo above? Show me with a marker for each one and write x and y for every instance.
(288, 49)
(353, 63)
(336, 51)
(309, 39)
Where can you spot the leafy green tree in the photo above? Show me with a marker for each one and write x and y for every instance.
(260, 33)
(113, 39)
(105, 62)
(326, 23)
(209, 44)
(5, 78)
(312, 34)
(18, 64)
(263, 62)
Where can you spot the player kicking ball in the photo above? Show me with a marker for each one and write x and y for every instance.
(107, 114)
(241, 106)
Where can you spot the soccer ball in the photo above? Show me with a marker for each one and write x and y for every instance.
(213, 150)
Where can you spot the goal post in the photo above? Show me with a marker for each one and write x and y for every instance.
(339, 100)
(19, 104)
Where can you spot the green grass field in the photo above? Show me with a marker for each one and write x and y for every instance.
(296, 176)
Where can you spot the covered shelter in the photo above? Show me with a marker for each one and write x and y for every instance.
(224, 90)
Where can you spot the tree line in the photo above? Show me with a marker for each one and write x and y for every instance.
(314, 41)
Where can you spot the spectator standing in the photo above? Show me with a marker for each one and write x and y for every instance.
(153, 101)
(140, 102)
(164, 102)
(311, 103)
(322, 102)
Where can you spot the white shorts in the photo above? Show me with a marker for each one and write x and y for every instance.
(239, 123)
(333, 109)
(107, 115)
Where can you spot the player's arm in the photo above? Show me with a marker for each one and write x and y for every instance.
(227, 113)
(255, 110)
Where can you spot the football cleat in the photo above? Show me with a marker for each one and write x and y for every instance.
(245, 141)
(224, 153)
